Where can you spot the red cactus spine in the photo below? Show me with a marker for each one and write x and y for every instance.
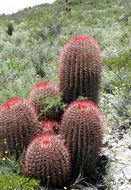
(18, 125)
(80, 68)
(48, 160)
(38, 96)
(82, 128)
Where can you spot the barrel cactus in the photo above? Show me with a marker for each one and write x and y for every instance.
(48, 160)
(80, 68)
(39, 94)
(18, 125)
(82, 128)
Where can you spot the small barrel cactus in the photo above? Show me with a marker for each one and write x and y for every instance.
(49, 126)
(82, 128)
(80, 69)
(18, 125)
(48, 160)
(39, 94)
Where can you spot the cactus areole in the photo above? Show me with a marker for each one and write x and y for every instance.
(80, 68)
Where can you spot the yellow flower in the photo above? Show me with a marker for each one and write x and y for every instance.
(5, 141)
(6, 151)
(3, 159)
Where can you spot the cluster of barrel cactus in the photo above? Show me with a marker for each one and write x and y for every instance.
(57, 148)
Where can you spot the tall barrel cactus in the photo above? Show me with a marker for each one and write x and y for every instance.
(82, 128)
(18, 125)
(80, 68)
(39, 95)
(48, 160)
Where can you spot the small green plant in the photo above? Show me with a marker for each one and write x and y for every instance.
(10, 28)
(120, 67)
(14, 181)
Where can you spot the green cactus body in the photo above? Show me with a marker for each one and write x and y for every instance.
(50, 127)
(82, 128)
(80, 68)
(38, 96)
(48, 160)
(18, 125)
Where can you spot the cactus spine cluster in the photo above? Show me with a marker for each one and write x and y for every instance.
(50, 127)
(82, 127)
(38, 96)
(80, 68)
(18, 125)
(48, 159)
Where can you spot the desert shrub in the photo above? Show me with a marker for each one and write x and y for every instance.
(10, 29)
(18, 183)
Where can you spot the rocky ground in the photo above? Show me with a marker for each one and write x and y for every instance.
(117, 147)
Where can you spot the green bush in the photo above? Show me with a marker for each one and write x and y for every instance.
(15, 182)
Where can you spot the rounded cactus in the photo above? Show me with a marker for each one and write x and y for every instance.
(80, 68)
(48, 160)
(82, 128)
(18, 125)
(50, 127)
(39, 95)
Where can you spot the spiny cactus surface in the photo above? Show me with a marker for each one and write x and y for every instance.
(38, 96)
(82, 128)
(80, 68)
(48, 160)
(49, 126)
(18, 125)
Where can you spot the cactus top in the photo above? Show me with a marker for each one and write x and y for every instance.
(43, 85)
(15, 103)
(50, 126)
(80, 38)
(82, 106)
(11, 102)
(46, 141)
(84, 103)
(78, 41)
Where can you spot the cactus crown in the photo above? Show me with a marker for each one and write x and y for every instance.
(11, 102)
(43, 85)
(77, 41)
(50, 126)
(84, 103)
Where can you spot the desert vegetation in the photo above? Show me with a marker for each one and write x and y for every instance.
(31, 53)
